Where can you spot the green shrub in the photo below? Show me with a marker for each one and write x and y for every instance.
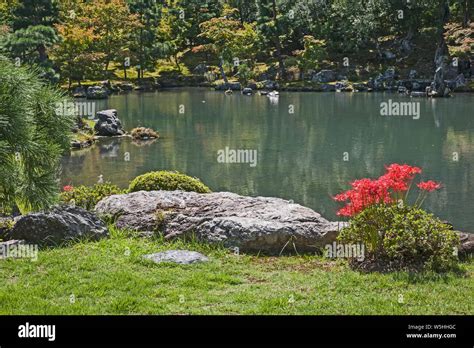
(87, 197)
(403, 238)
(168, 181)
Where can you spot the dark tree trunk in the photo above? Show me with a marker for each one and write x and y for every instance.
(43, 56)
(281, 64)
(466, 11)
(221, 69)
(441, 56)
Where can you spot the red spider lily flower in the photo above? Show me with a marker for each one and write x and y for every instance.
(398, 176)
(68, 188)
(429, 185)
(366, 192)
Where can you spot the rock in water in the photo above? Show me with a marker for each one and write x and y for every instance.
(61, 224)
(251, 224)
(108, 123)
(184, 257)
(96, 92)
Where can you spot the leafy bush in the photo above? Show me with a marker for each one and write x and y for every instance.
(168, 181)
(402, 238)
(395, 234)
(87, 197)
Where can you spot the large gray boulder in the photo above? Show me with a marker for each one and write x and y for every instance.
(251, 224)
(59, 225)
(108, 123)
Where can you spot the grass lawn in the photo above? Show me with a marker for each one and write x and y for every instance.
(110, 277)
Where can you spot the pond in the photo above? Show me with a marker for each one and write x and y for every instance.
(309, 145)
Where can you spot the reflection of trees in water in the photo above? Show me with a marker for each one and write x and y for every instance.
(300, 155)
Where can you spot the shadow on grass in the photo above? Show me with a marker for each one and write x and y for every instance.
(429, 276)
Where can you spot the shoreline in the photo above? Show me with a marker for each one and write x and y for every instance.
(304, 89)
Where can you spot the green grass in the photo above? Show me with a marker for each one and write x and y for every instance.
(110, 277)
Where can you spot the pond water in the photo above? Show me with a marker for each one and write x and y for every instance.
(309, 145)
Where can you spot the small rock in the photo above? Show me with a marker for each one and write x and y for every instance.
(467, 244)
(61, 224)
(96, 92)
(183, 257)
(247, 91)
(325, 76)
(402, 90)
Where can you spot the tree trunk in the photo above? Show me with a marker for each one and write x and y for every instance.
(441, 56)
(42, 53)
(466, 11)
(176, 61)
(106, 67)
(221, 69)
(281, 64)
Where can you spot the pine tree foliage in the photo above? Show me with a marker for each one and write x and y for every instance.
(33, 136)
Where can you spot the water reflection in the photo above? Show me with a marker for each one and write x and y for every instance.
(301, 155)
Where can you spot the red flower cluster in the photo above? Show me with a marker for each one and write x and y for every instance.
(68, 188)
(429, 185)
(366, 192)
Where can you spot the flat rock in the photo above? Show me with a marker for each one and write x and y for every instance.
(184, 257)
(59, 225)
(252, 224)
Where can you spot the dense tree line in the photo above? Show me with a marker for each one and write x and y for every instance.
(73, 40)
